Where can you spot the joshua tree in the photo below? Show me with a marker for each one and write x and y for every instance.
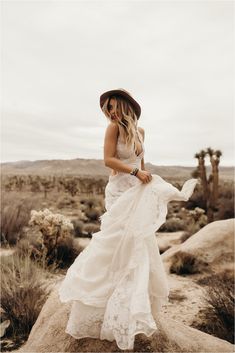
(47, 186)
(20, 182)
(100, 185)
(35, 185)
(210, 185)
(70, 186)
(9, 184)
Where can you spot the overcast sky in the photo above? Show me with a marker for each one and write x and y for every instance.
(175, 57)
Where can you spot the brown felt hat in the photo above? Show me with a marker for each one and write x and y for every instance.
(121, 92)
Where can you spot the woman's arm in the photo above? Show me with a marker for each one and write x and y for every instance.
(142, 164)
(141, 130)
(110, 142)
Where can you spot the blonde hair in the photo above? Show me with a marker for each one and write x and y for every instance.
(128, 119)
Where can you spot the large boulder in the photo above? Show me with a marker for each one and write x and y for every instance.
(213, 244)
(48, 335)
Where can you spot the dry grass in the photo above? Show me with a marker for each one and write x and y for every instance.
(15, 214)
(22, 296)
(183, 263)
(61, 257)
(217, 317)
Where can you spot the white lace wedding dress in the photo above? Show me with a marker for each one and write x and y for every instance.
(117, 285)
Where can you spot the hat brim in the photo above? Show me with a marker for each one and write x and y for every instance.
(118, 92)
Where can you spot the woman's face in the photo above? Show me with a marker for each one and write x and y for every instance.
(112, 108)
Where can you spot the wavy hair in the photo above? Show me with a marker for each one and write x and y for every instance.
(128, 119)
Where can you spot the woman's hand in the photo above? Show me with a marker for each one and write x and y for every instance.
(144, 176)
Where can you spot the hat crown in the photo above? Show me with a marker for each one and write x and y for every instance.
(124, 90)
(121, 92)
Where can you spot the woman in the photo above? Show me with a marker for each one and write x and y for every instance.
(117, 284)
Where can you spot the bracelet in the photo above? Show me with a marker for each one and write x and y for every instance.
(134, 171)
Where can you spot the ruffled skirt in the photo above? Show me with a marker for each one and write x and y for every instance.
(117, 285)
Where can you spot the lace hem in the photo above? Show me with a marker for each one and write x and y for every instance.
(112, 324)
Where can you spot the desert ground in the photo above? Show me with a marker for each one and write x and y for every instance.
(36, 252)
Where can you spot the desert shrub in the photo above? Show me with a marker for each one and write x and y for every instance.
(64, 255)
(57, 239)
(225, 202)
(225, 208)
(93, 214)
(66, 252)
(90, 201)
(173, 224)
(185, 263)
(173, 208)
(92, 206)
(224, 276)
(78, 226)
(22, 296)
(66, 201)
(217, 317)
(15, 215)
(91, 228)
(195, 219)
(189, 220)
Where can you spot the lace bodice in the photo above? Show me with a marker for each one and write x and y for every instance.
(121, 181)
(128, 155)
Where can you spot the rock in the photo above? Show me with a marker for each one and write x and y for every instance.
(48, 335)
(214, 244)
(166, 240)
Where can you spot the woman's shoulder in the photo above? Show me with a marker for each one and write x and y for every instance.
(112, 131)
(112, 128)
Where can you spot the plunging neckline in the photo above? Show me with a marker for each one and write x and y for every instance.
(140, 140)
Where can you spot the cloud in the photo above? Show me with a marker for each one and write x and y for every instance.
(175, 58)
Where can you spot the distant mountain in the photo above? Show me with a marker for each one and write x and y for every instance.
(96, 167)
